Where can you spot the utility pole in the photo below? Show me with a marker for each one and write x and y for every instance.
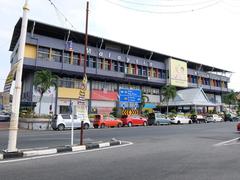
(13, 129)
(85, 64)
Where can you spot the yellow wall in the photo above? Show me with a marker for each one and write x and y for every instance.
(70, 93)
(30, 51)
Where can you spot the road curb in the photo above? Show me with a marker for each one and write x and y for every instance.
(61, 149)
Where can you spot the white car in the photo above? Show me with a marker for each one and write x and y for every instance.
(214, 118)
(181, 120)
(64, 121)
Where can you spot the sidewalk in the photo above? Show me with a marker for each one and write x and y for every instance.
(61, 149)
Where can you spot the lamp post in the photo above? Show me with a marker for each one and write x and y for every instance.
(85, 64)
(13, 129)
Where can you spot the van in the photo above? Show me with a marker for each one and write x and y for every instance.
(64, 121)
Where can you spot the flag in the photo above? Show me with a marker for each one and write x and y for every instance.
(69, 46)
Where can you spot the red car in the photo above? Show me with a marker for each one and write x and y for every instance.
(106, 121)
(133, 120)
(238, 127)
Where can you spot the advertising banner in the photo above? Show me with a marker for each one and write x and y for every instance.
(178, 73)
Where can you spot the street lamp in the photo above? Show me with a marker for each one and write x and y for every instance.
(13, 129)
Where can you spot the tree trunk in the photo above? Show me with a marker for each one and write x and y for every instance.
(40, 104)
(167, 107)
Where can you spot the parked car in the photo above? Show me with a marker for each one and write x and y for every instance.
(237, 118)
(180, 119)
(213, 118)
(106, 121)
(238, 127)
(4, 117)
(198, 118)
(64, 121)
(133, 120)
(158, 119)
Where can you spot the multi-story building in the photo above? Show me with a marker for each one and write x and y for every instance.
(110, 66)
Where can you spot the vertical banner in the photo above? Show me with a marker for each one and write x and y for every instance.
(81, 108)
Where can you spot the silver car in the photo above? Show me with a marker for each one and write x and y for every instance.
(64, 121)
(158, 119)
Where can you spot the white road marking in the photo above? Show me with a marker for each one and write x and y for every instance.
(69, 153)
(229, 142)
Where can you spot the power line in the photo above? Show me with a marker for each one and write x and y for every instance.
(60, 12)
(170, 3)
(164, 12)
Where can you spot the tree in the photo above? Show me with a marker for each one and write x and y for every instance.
(144, 99)
(169, 92)
(230, 98)
(43, 80)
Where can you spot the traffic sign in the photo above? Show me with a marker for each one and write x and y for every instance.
(130, 95)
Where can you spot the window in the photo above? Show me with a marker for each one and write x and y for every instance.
(75, 59)
(154, 72)
(81, 60)
(63, 111)
(92, 62)
(107, 64)
(126, 68)
(109, 86)
(56, 55)
(100, 63)
(67, 57)
(66, 82)
(121, 67)
(43, 53)
(115, 66)
(132, 69)
(139, 70)
(144, 71)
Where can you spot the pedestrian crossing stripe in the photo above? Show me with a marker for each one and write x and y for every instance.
(130, 112)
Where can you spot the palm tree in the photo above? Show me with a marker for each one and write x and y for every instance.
(43, 80)
(230, 98)
(169, 92)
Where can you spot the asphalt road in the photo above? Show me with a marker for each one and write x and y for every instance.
(185, 152)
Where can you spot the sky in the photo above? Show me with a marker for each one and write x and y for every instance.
(202, 31)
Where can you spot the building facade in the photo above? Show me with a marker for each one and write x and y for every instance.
(110, 66)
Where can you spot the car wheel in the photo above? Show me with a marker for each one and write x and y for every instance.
(144, 123)
(158, 123)
(119, 125)
(178, 122)
(129, 124)
(86, 126)
(102, 126)
(95, 126)
(61, 127)
(190, 122)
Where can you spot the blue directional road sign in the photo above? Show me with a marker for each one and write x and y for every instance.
(130, 95)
